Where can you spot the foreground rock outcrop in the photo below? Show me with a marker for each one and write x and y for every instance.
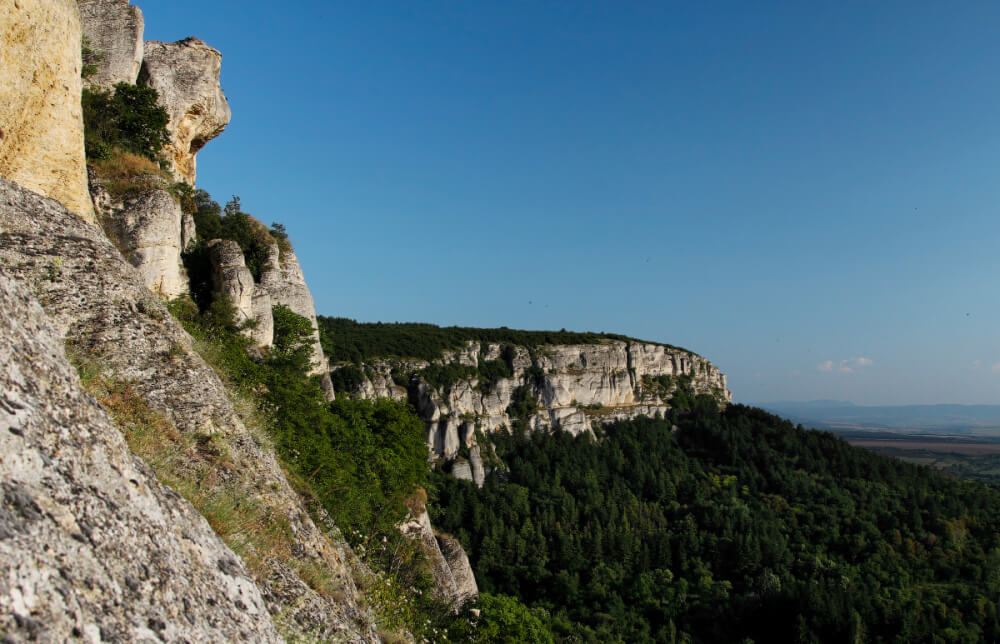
(114, 30)
(186, 76)
(92, 547)
(96, 298)
(41, 120)
(576, 387)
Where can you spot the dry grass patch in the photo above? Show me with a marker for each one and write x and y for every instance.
(125, 172)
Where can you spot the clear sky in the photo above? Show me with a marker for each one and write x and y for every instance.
(806, 193)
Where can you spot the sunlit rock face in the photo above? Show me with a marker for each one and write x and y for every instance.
(147, 226)
(41, 120)
(113, 29)
(186, 76)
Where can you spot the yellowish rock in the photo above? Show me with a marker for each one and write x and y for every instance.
(41, 121)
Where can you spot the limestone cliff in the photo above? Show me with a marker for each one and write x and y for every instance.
(577, 387)
(41, 120)
(99, 301)
(114, 30)
(186, 76)
(91, 544)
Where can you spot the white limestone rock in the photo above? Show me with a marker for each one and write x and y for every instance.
(263, 332)
(146, 226)
(231, 277)
(114, 30)
(186, 76)
(466, 587)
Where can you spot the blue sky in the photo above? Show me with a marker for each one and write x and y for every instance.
(805, 193)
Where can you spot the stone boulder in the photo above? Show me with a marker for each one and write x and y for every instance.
(146, 225)
(114, 29)
(41, 120)
(186, 76)
(461, 570)
(92, 547)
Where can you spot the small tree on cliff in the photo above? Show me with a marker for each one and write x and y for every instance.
(128, 120)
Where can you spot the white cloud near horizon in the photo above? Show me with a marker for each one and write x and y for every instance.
(996, 367)
(848, 365)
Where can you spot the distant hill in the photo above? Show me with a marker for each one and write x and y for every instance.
(845, 415)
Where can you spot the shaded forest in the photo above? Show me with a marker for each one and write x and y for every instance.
(729, 526)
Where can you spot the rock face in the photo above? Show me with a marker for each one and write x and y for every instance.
(454, 581)
(93, 296)
(284, 281)
(114, 29)
(577, 387)
(186, 76)
(146, 225)
(91, 545)
(465, 581)
(41, 121)
(231, 277)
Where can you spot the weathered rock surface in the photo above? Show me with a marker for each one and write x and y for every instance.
(263, 332)
(578, 387)
(41, 121)
(146, 225)
(114, 29)
(186, 76)
(461, 571)
(282, 278)
(93, 296)
(446, 559)
(91, 545)
(231, 277)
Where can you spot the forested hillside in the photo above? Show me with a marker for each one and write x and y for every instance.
(346, 340)
(729, 526)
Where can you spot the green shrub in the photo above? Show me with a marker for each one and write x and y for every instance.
(128, 119)
(91, 59)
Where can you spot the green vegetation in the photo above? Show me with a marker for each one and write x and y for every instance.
(360, 458)
(363, 462)
(126, 120)
(346, 340)
(737, 527)
(213, 222)
(91, 59)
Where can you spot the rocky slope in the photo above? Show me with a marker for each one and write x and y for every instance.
(92, 546)
(95, 297)
(41, 121)
(577, 387)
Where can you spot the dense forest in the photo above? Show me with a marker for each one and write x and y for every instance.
(346, 340)
(729, 526)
